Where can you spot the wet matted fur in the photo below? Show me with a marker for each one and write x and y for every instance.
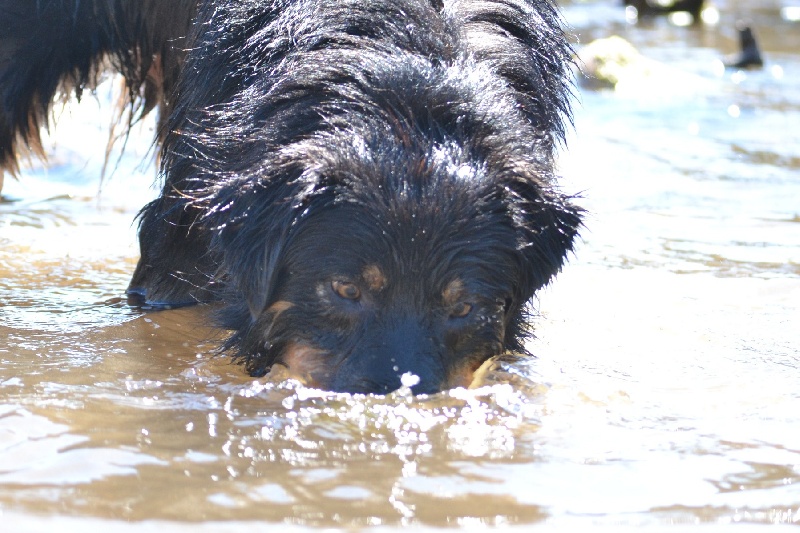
(366, 185)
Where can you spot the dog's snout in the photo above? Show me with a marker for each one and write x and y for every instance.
(404, 354)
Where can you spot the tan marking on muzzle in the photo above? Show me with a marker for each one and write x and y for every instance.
(307, 364)
(470, 375)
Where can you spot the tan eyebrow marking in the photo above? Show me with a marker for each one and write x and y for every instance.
(453, 292)
(375, 278)
(279, 307)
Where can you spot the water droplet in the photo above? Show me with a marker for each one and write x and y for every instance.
(409, 379)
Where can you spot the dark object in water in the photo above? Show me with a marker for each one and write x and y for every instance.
(367, 186)
(649, 8)
(749, 55)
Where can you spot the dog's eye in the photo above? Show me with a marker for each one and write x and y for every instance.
(460, 310)
(346, 290)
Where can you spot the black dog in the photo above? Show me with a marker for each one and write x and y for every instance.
(367, 185)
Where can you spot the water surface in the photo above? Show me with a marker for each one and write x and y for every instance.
(664, 391)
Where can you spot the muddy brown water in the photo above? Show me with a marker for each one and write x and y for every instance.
(665, 391)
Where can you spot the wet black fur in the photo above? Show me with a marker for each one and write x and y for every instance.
(306, 139)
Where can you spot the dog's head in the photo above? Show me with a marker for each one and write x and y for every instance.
(380, 260)
(386, 215)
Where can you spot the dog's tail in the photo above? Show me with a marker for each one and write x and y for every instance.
(60, 48)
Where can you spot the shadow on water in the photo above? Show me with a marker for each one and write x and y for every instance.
(664, 390)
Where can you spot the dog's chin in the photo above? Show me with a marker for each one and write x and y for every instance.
(311, 367)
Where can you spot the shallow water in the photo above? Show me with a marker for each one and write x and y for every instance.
(665, 388)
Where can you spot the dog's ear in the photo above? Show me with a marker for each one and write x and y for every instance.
(546, 223)
(518, 31)
(251, 238)
(254, 218)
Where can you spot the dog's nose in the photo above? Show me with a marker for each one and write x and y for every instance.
(380, 364)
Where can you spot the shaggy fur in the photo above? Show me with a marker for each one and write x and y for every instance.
(367, 185)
